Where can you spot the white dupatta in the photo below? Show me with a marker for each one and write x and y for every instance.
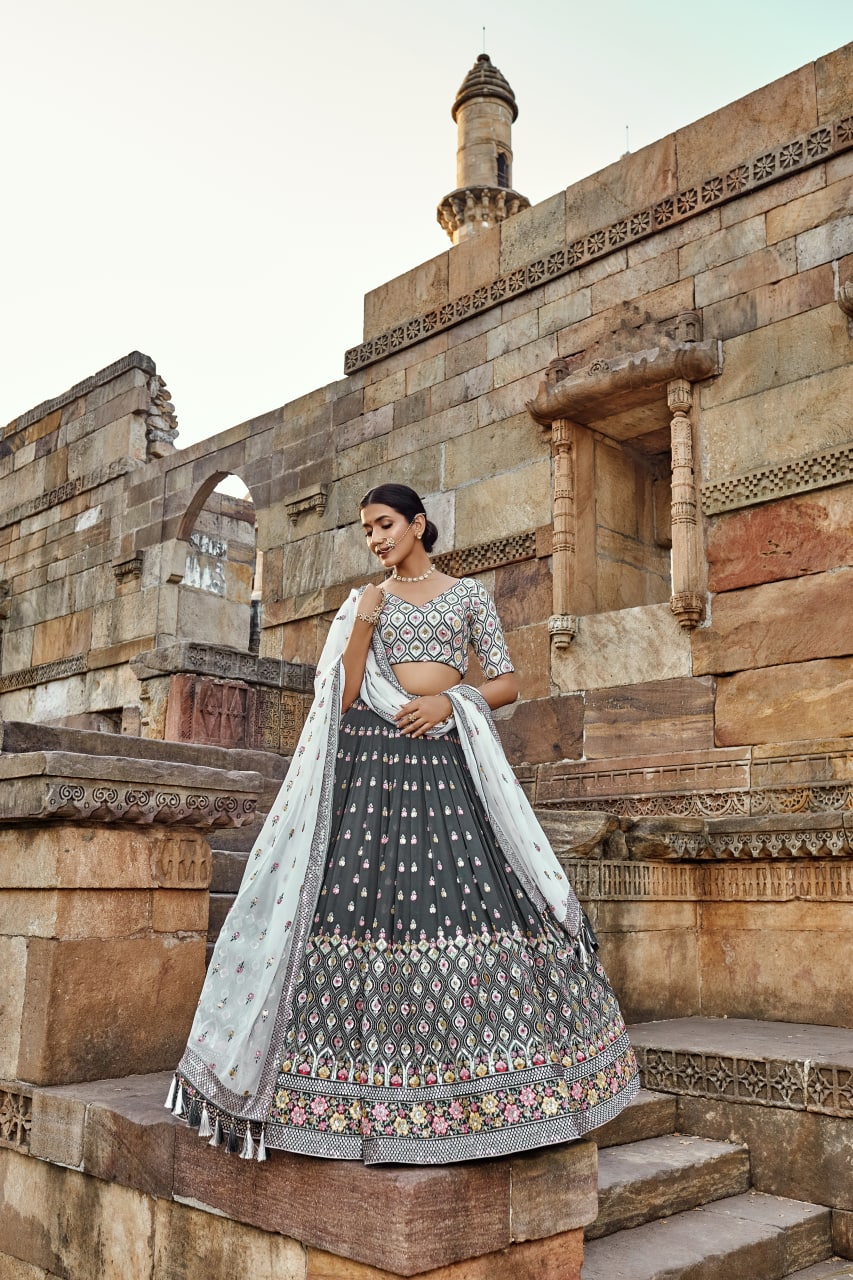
(234, 1047)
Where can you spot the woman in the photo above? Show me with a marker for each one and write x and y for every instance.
(405, 974)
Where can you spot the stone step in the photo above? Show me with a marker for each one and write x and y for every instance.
(659, 1177)
(649, 1115)
(744, 1237)
(227, 871)
(832, 1269)
(220, 905)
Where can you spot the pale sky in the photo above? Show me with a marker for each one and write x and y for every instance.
(219, 184)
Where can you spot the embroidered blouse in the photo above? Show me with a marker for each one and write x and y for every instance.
(443, 629)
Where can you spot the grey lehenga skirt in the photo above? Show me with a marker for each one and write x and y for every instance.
(438, 1015)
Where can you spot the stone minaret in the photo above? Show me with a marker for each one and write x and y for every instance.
(484, 111)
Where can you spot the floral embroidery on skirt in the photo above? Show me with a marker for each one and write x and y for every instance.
(438, 1014)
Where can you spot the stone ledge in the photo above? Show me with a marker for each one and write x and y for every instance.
(793, 1066)
(397, 1218)
(224, 664)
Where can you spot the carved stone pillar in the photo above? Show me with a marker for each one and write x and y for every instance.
(562, 625)
(687, 601)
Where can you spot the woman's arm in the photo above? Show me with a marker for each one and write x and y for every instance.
(358, 645)
(424, 712)
(500, 691)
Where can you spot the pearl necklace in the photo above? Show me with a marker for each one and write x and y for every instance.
(399, 577)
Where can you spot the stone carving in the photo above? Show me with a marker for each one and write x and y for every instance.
(16, 1118)
(604, 880)
(687, 602)
(5, 598)
(224, 663)
(161, 423)
(583, 392)
(761, 170)
(46, 671)
(126, 570)
(488, 555)
(798, 1086)
(482, 206)
(309, 499)
(46, 797)
(799, 475)
(562, 625)
(181, 862)
(70, 489)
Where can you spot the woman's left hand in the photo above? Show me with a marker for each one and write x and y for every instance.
(423, 713)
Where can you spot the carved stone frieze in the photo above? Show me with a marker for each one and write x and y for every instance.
(44, 672)
(756, 802)
(70, 489)
(16, 1117)
(126, 568)
(488, 555)
(798, 475)
(224, 664)
(804, 1085)
(602, 880)
(180, 863)
(770, 166)
(48, 785)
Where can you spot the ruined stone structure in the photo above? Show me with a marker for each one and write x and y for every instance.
(628, 411)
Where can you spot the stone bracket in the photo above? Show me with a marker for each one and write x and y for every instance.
(312, 498)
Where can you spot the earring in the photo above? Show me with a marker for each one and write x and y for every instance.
(419, 536)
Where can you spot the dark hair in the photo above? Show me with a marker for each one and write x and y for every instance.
(403, 499)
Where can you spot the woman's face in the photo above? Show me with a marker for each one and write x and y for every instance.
(389, 534)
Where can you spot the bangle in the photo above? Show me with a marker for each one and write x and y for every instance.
(371, 618)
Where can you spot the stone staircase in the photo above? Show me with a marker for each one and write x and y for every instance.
(677, 1205)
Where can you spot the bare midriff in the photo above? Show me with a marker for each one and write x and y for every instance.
(423, 678)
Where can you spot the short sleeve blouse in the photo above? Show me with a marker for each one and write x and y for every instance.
(443, 629)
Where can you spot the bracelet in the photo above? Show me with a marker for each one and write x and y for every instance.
(371, 618)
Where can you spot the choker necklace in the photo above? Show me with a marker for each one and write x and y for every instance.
(399, 577)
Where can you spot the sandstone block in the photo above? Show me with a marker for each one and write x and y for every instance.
(565, 310)
(832, 240)
(44, 913)
(621, 188)
(44, 1209)
(194, 1245)
(557, 1258)
(812, 210)
(778, 623)
(833, 79)
(765, 266)
(523, 593)
(635, 282)
(781, 704)
(772, 959)
(529, 649)
(789, 351)
(506, 402)
(386, 391)
(729, 244)
(649, 718)
(425, 374)
(630, 646)
(514, 333)
(465, 386)
(805, 534)
(412, 408)
(770, 115)
(58, 1120)
(534, 357)
(554, 1191)
(533, 232)
(672, 955)
(466, 355)
(431, 431)
(13, 965)
(493, 449)
(475, 262)
(411, 294)
(792, 1153)
(154, 983)
(774, 196)
(545, 729)
(695, 228)
(842, 1233)
(796, 418)
(501, 505)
